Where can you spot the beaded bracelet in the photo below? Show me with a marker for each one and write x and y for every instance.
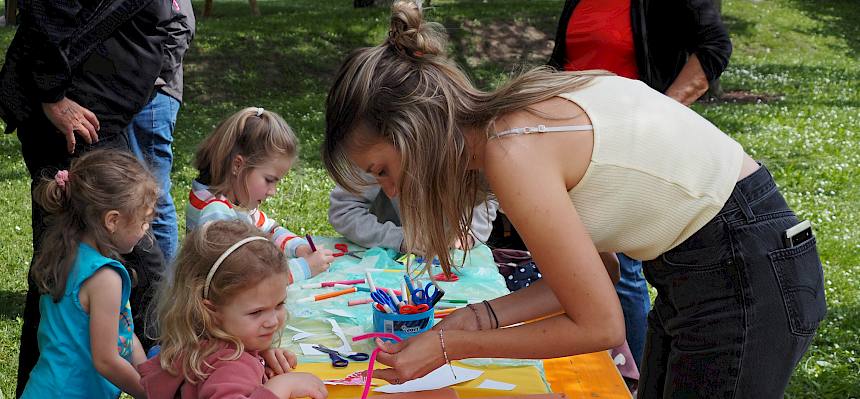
(445, 353)
(477, 318)
(490, 311)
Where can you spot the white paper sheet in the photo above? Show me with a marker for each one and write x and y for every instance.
(497, 385)
(439, 378)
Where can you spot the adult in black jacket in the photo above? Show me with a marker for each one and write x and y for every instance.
(681, 45)
(75, 74)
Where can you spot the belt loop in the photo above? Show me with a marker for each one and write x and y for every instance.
(744, 205)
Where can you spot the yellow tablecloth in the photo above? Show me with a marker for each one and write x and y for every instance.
(592, 375)
(527, 379)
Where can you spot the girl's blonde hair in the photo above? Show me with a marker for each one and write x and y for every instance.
(254, 133)
(410, 94)
(98, 182)
(188, 330)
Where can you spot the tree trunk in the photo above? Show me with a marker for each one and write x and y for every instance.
(11, 12)
(207, 9)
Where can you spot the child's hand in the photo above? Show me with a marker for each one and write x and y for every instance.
(278, 361)
(320, 260)
(297, 385)
(303, 251)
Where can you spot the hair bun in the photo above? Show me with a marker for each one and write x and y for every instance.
(410, 34)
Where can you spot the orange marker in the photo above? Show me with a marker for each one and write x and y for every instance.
(327, 295)
(444, 312)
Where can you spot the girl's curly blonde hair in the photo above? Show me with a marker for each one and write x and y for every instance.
(189, 332)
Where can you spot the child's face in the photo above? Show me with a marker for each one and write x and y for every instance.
(261, 182)
(257, 313)
(130, 230)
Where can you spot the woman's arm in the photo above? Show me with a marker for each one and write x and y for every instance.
(530, 185)
(530, 176)
(690, 84)
(709, 49)
(104, 291)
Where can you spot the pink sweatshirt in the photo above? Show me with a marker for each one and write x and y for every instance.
(240, 378)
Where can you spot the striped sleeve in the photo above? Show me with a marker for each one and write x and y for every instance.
(216, 210)
(299, 270)
(283, 238)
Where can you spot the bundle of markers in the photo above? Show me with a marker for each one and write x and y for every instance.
(411, 300)
(408, 300)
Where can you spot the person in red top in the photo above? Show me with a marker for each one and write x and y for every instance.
(676, 48)
(599, 36)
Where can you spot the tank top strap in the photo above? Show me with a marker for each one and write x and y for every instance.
(542, 129)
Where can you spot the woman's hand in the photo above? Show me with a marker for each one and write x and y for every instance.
(69, 118)
(410, 359)
(469, 318)
(278, 361)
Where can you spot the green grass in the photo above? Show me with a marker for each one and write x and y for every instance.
(804, 52)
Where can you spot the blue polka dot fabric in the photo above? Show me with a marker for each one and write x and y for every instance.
(517, 267)
(523, 275)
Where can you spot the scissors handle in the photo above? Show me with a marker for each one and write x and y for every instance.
(337, 361)
(359, 356)
(343, 248)
(414, 309)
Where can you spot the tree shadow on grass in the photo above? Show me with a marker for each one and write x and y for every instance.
(738, 26)
(828, 380)
(11, 304)
(840, 18)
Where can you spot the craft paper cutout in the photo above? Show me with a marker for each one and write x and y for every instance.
(497, 385)
(439, 378)
(301, 336)
(308, 349)
(301, 333)
(356, 378)
(339, 312)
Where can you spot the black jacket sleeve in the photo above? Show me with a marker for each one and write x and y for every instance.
(708, 37)
(49, 26)
(180, 31)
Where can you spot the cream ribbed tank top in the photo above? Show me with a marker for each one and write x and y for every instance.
(658, 171)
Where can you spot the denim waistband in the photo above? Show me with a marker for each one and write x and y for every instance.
(750, 190)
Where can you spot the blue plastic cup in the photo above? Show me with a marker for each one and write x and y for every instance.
(402, 325)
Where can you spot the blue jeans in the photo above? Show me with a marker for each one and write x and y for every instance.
(150, 137)
(736, 307)
(632, 290)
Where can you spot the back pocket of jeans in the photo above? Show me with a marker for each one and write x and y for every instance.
(801, 282)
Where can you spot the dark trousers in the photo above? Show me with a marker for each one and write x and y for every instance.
(44, 151)
(736, 309)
